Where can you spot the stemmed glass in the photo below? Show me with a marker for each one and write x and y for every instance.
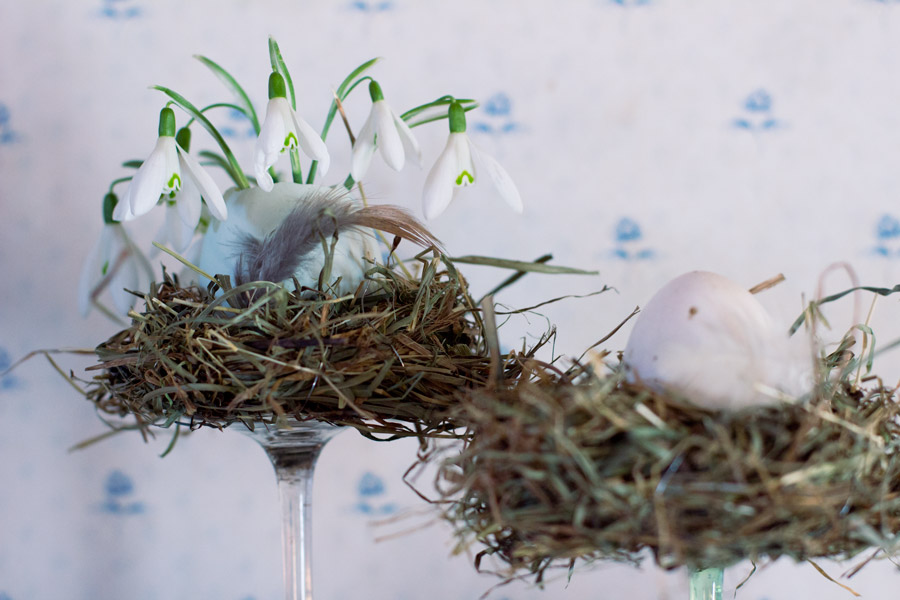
(706, 584)
(293, 447)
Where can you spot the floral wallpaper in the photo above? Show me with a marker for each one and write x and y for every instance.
(646, 137)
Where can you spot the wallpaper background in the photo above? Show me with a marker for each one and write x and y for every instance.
(648, 138)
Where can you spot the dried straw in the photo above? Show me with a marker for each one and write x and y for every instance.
(581, 465)
(390, 359)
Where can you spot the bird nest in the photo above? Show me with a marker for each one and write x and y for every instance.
(390, 359)
(582, 465)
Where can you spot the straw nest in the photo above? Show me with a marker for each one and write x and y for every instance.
(581, 465)
(390, 359)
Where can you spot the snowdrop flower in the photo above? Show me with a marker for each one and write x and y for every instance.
(113, 262)
(456, 167)
(162, 174)
(283, 130)
(175, 232)
(385, 131)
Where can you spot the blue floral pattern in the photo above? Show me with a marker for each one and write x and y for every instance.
(495, 116)
(118, 488)
(372, 7)
(887, 237)
(238, 126)
(120, 9)
(757, 113)
(8, 381)
(629, 241)
(7, 134)
(371, 493)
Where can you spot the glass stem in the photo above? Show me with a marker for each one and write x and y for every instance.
(706, 584)
(295, 489)
(293, 454)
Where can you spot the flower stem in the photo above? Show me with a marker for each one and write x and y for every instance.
(237, 174)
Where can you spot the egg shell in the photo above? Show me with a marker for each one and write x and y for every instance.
(256, 212)
(707, 338)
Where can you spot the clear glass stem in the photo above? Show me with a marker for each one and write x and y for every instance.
(293, 452)
(706, 584)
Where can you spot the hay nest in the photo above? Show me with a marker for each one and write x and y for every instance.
(390, 359)
(581, 465)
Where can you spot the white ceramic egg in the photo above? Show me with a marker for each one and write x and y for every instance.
(256, 212)
(709, 339)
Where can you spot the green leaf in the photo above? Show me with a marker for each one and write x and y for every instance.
(232, 84)
(215, 159)
(519, 265)
(353, 75)
(468, 104)
(870, 360)
(279, 65)
(515, 277)
(237, 174)
(184, 261)
(132, 164)
(875, 290)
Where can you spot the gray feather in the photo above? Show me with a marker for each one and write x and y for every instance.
(317, 217)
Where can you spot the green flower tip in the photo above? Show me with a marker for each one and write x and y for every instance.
(457, 117)
(277, 88)
(109, 204)
(183, 139)
(375, 91)
(167, 122)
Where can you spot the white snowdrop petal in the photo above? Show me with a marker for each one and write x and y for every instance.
(269, 144)
(147, 184)
(363, 149)
(197, 178)
(311, 143)
(438, 190)
(410, 145)
(92, 270)
(387, 137)
(506, 188)
(465, 173)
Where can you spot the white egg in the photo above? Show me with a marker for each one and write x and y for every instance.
(256, 212)
(707, 338)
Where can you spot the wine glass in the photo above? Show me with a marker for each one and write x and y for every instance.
(293, 447)
(706, 584)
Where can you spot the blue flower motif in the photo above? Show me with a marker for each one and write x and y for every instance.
(498, 109)
(370, 485)
(887, 237)
(626, 234)
(238, 126)
(8, 382)
(364, 6)
(498, 105)
(119, 9)
(631, 2)
(369, 488)
(888, 227)
(758, 106)
(118, 486)
(627, 230)
(758, 101)
(7, 135)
